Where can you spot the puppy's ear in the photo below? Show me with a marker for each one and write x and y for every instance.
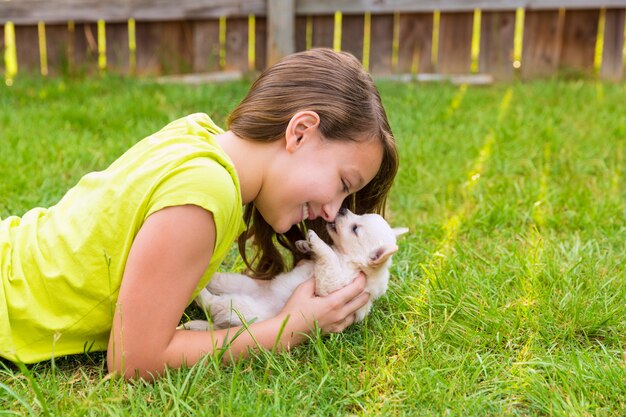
(380, 255)
(399, 231)
(303, 246)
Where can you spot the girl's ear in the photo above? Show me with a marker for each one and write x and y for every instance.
(297, 128)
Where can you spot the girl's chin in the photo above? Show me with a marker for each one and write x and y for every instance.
(277, 226)
(282, 228)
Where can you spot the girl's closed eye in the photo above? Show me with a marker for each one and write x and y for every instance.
(346, 187)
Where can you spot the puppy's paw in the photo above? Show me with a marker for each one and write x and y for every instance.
(311, 235)
(313, 238)
(318, 247)
(303, 246)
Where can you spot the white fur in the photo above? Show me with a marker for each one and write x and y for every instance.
(368, 250)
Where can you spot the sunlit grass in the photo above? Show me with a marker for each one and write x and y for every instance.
(521, 314)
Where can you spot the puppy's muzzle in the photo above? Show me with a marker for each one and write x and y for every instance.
(342, 212)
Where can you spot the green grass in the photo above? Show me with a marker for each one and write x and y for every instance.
(507, 298)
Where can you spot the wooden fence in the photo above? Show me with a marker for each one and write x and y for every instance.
(504, 38)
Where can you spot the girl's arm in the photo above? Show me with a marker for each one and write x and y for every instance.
(169, 255)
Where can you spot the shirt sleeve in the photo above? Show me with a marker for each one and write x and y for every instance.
(202, 182)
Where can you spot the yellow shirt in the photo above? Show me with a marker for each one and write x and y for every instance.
(61, 267)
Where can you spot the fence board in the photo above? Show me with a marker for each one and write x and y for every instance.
(237, 44)
(416, 43)
(455, 42)
(381, 44)
(580, 30)
(84, 44)
(260, 47)
(300, 32)
(57, 38)
(496, 44)
(27, 49)
(280, 20)
(323, 31)
(164, 47)
(2, 49)
(117, 48)
(206, 46)
(352, 35)
(612, 62)
(542, 43)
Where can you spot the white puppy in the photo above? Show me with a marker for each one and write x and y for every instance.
(360, 244)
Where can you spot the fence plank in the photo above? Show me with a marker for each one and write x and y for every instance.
(206, 45)
(57, 38)
(542, 43)
(496, 44)
(261, 43)
(71, 47)
(455, 42)
(580, 30)
(280, 21)
(323, 31)
(27, 49)
(300, 32)
(612, 61)
(352, 35)
(381, 44)
(117, 48)
(237, 44)
(416, 43)
(2, 49)
(84, 47)
(147, 60)
(164, 47)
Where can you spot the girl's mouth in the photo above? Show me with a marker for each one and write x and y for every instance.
(305, 212)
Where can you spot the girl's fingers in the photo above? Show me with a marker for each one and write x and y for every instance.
(344, 324)
(356, 303)
(337, 309)
(349, 292)
(349, 321)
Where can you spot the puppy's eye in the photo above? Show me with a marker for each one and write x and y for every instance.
(355, 229)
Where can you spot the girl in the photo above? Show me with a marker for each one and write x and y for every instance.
(113, 265)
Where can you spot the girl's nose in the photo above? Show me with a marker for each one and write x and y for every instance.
(330, 210)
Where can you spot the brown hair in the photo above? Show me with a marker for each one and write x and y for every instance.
(341, 92)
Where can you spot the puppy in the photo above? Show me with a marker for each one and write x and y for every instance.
(360, 244)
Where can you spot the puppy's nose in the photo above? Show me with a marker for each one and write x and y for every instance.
(343, 211)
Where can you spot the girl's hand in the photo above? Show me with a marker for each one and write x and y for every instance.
(333, 313)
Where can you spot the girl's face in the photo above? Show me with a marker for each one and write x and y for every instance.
(313, 176)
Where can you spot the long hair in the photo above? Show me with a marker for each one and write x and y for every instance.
(336, 87)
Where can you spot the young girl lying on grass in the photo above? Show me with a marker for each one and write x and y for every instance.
(113, 265)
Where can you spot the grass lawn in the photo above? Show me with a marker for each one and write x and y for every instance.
(508, 296)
